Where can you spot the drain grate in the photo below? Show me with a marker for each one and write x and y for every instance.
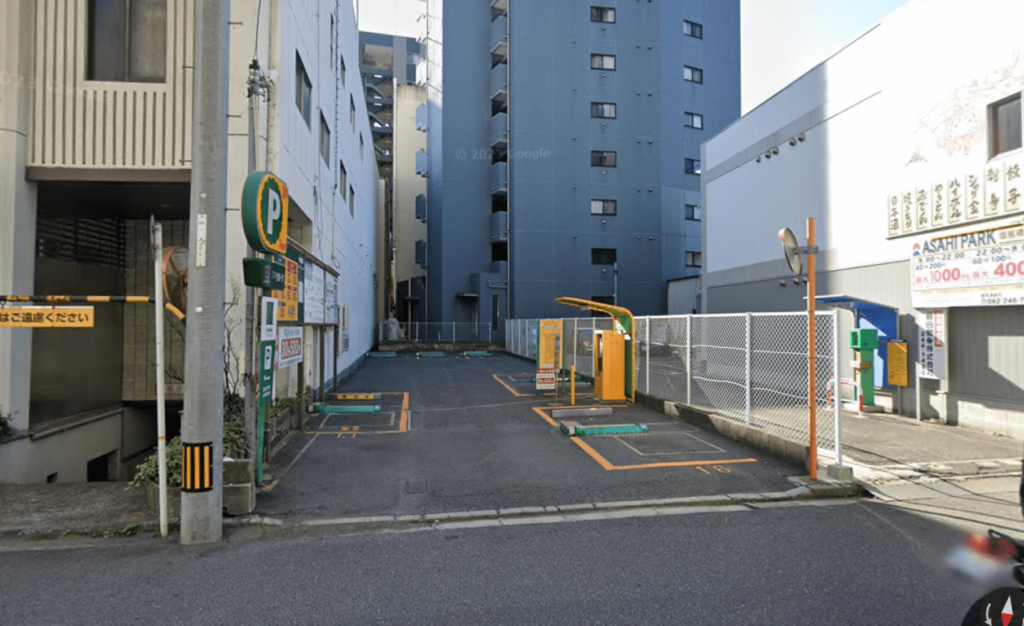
(416, 486)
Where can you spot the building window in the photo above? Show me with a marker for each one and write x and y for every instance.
(127, 41)
(333, 37)
(604, 207)
(325, 140)
(602, 62)
(360, 146)
(602, 256)
(352, 111)
(602, 158)
(1005, 125)
(693, 120)
(303, 90)
(341, 68)
(693, 259)
(602, 14)
(693, 166)
(342, 178)
(602, 109)
(693, 74)
(693, 29)
(351, 201)
(693, 212)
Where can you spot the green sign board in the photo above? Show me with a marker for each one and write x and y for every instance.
(264, 397)
(263, 273)
(265, 212)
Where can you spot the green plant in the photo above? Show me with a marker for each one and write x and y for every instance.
(284, 403)
(234, 446)
(6, 430)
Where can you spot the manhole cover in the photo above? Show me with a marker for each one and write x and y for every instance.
(416, 486)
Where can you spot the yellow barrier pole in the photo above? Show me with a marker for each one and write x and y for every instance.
(572, 384)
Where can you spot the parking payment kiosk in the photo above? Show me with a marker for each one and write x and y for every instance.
(609, 365)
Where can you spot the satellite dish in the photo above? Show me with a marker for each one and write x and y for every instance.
(176, 277)
(789, 247)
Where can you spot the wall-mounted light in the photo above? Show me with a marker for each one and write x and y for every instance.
(768, 154)
(800, 136)
(792, 142)
(775, 150)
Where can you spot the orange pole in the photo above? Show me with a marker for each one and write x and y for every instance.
(812, 374)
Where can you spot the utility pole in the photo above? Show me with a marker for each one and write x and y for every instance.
(255, 84)
(202, 428)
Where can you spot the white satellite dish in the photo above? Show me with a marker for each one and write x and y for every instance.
(791, 249)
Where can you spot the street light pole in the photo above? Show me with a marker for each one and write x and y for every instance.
(202, 427)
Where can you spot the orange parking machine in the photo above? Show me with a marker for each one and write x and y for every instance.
(609, 365)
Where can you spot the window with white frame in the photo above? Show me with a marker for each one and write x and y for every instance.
(1005, 125)
(303, 90)
(126, 41)
(325, 140)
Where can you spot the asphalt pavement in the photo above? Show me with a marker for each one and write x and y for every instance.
(477, 438)
(819, 561)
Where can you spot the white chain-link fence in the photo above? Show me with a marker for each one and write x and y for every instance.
(433, 331)
(748, 367)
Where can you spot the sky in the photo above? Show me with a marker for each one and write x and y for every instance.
(781, 39)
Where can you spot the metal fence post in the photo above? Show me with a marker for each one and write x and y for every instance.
(750, 383)
(689, 358)
(836, 399)
(647, 359)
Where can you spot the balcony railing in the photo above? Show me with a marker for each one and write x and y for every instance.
(499, 130)
(499, 36)
(499, 226)
(499, 179)
(421, 162)
(499, 82)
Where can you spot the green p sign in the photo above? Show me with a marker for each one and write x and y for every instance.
(265, 212)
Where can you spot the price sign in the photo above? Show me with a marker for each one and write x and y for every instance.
(985, 268)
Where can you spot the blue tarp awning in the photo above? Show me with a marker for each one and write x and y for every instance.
(853, 304)
(870, 314)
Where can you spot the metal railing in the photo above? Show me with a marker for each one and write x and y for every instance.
(433, 331)
(750, 368)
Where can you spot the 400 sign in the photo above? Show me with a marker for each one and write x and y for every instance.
(985, 268)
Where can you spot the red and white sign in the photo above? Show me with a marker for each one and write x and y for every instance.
(289, 347)
(546, 379)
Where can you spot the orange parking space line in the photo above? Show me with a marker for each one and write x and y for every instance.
(593, 453)
(682, 464)
(503, 384)
(547, 419)
(403, 425)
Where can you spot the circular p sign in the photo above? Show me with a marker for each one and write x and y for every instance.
(265, 212)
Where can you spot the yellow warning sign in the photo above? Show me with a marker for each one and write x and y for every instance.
(898, 364)
(48, 317)
(549, 345)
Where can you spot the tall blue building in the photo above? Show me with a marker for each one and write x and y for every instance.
(563, 150)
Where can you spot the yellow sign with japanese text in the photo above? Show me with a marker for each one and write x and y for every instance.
(550, 342)
(48, 317)
(898, 364)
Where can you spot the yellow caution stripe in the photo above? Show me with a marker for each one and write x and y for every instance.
(197, 467)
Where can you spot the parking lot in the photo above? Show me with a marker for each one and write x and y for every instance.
(457, 433)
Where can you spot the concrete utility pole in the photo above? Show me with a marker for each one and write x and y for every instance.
(202, 428)
(255, 85)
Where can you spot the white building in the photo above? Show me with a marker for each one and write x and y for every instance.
(901, 145)
(95, 112)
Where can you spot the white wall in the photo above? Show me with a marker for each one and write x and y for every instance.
(903, 105)
(343, 235)
(408, 184)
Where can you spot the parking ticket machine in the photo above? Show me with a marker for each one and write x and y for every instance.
(609, 365)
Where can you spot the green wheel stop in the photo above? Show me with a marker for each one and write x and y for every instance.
(383, 355)
(323, 408)
(430, 355)
(575, 429)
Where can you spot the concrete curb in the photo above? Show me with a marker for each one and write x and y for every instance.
(805, 490)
